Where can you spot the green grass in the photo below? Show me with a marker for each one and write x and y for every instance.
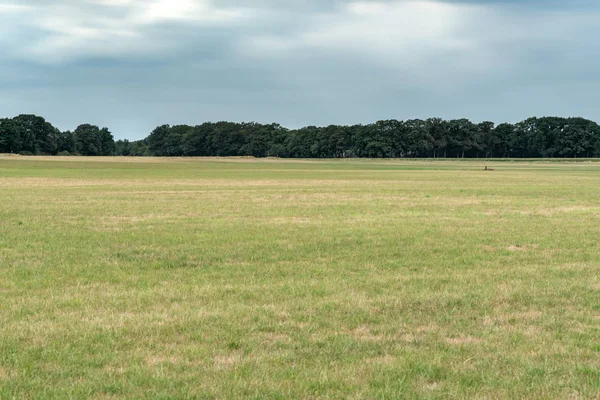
(156, 278)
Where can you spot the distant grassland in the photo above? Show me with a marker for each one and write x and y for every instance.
(242, 278)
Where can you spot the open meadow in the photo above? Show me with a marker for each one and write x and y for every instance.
(304, 279)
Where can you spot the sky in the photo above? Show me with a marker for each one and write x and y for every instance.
(131, 65)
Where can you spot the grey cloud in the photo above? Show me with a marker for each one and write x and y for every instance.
(298, 63)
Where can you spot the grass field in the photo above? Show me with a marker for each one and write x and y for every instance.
(235, 278)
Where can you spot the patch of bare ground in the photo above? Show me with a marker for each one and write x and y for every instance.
(4, 376)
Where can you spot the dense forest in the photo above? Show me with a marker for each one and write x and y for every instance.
(546, 137)
(33, 135)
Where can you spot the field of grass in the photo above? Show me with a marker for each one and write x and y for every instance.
(236, 278)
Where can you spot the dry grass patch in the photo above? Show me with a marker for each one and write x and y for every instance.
(153, 361)
(522, 248)
(4, 374)
(274, 338)
(229, 361)
(432, 386)
(431, 328)
(386, 359)
(463, 340)
(407, 338)
(529, 315)
(293, 221)
(365, 334)
(114, 370)
(550, 211)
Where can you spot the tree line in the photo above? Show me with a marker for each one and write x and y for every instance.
(33, 135)
(546, 137)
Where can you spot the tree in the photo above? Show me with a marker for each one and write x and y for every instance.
(36, 136)
(93, 141)
(10, 141)
(302, 142)
(414, 139)
(461, 136)
(486, 138)
(434, 137)
(158, 139)
(503, 134)
(122, 148)
(438, 130)
(66, 142)
(375, 140)
(107, 142)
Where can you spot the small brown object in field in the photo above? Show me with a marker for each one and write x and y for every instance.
(488, 169)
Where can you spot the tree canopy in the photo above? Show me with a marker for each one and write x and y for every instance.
(30, 134)
(546, 137)
(431, 138)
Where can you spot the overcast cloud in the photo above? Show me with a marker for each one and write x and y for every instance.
(134, 64)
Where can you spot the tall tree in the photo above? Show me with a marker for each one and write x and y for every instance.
(93, 141)
(157, 141)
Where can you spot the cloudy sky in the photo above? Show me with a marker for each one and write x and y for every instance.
(131, 65)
